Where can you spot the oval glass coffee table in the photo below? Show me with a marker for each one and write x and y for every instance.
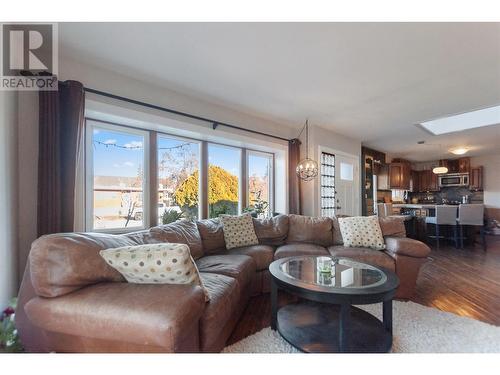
(325, 320)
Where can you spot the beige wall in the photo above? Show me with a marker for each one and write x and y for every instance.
(8, 196)
(319, 137)
(491, 178)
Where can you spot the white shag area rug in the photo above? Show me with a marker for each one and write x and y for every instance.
(416, 329)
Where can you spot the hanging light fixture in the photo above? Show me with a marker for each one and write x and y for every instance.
(307, 169)
(440, 169)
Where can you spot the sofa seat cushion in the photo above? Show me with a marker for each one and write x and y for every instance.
(363, 254)
(141, 314)
(239, 267)
(262, 255)
(225, 297)
(298, 249)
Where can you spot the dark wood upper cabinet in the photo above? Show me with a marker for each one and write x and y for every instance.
(428, 181)
(476, 178)
(461, 165)
(400, 175)
(415, 181)
(433, 181)
(464, 165)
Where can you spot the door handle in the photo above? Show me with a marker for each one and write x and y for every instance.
(338, 207)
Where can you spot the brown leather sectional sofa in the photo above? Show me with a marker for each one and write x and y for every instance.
(71, 301)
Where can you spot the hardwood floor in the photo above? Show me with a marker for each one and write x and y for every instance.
(465, 282)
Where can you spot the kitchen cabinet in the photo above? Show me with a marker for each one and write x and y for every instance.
(433, 181)
(476, 178)
(428, 181)
(399, 175)
(464, 165)
(373, 162)
(383, 177)
(415, 181)
(461, 165)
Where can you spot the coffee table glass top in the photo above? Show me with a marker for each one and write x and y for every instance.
(333, 272)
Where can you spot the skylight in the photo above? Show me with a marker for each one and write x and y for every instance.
(464, 121)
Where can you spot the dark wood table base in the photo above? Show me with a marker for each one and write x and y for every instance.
(314, 327)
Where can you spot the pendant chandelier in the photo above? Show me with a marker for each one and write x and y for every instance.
(440, 169)
(307, 169)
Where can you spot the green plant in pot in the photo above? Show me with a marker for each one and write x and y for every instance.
(9, 340)
(259, 207)
(171, 216)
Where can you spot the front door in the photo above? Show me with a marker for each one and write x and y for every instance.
(346, 185)
(339, 186)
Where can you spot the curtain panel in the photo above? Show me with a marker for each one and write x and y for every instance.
(61, 123)
(294, 203)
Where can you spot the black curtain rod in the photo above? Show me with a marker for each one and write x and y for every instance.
(164, 109)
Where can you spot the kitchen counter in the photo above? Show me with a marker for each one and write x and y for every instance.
(418, 206)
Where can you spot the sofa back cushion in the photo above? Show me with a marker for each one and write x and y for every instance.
(392, 226)
(63, 263)
(306, 229)
(337, 234)
(182, 231)
(271, 231)
(212, 235)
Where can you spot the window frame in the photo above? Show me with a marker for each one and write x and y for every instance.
(159, 135)
(151, 137)
(90, 125)
(241, 174)
(271, 156)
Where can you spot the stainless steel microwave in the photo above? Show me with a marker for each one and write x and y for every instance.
(454, 179)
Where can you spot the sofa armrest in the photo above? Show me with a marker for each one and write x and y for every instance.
(406, 246)
(156, 315)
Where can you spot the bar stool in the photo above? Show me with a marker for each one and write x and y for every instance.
(471, 215)
(445, 215)
(386, 209)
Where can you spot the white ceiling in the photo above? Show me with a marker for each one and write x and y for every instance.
(369, 81)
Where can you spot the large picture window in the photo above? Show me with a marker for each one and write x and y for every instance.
(224, 169)
(259, 169)
(138, 178)
(117, 173)
(178, 179)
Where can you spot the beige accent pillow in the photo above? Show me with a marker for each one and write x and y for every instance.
(164, 263)
(238, 231)
(361, 231)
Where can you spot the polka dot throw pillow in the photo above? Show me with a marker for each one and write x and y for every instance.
(362, 231)
(238, 231)
(164, 263)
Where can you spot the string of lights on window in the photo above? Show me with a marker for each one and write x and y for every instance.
(130, 147)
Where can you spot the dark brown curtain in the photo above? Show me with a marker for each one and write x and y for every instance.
(294, 204)
(61, 121)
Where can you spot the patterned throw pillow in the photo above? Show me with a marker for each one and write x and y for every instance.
(164, 263)
(238, 231)
(362, 231)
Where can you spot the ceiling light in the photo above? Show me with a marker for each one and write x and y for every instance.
(459, 151)
(463, 121)
(440, 170)
(307, 169)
